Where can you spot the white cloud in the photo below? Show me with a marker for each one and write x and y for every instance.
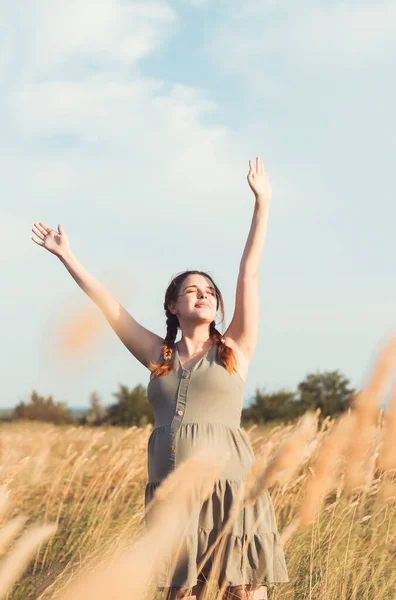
(345, 32)
(107, 108)
(263, 43)
(105, 31)
(197, 3)
(132, 137)
(103, 110)
(123, 129)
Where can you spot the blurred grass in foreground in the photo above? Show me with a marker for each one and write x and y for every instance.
(333, 488)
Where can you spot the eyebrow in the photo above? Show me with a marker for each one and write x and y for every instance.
(195, 285)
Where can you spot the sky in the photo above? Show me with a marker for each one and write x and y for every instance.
(132, 124)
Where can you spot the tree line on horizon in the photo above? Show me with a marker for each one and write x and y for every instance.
(329, 391)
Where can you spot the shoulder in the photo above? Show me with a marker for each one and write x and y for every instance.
(242, 360)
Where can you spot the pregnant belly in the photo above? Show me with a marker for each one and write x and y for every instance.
(167, 449)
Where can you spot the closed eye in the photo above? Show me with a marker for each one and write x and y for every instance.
(210, 292)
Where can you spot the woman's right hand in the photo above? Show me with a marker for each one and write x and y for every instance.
(56, 242)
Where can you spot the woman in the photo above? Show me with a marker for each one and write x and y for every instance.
(196, 391)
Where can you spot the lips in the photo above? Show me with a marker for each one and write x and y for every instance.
(201, 305)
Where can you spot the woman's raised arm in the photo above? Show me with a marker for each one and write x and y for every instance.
(244, 326)
(142, 343)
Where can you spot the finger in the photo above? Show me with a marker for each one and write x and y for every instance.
(257, 164)
(262, 171)
(251, 166)
(41, 228)
(47, 229)
(38, 243)
(38, 232)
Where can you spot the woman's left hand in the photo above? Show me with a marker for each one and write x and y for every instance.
(258, 182)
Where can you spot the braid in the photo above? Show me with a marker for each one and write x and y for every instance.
(165, 366)
(215, 335)
(225, 353)
(172, 324)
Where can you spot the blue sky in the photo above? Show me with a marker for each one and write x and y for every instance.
(133, 123)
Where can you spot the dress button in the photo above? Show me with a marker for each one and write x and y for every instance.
(172, 448)
(185, 376)
(179, 412)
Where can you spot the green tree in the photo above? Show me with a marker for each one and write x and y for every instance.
(40, 408)
(132, 407)
(330, 391)
(97, 413)
(271, 406)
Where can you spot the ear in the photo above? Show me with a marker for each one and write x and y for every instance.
(171, 307)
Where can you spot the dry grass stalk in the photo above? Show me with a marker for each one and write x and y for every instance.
(387, 492)
(218, 546)
(10, 531)
(261, 475)
(306, 452)
(4, 498)
(130, 573)
(91, 495)
(289, 531)
(374, 449)
(323, 468)
(16, 561)
(327, 421)
(387, 456)
(366, 410)
(303, 449)
(15, 470)
(193, 502)
(40, 464)
(185, 472)
(285, 461)
(251, 428)
(81, 332)
(292, 454)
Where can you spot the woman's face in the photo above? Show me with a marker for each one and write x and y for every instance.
(197, 299)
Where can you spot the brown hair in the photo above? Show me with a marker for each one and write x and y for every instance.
(225, 353)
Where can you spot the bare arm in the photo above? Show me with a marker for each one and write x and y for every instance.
(251, 256)
(244, 326)
(142, 343)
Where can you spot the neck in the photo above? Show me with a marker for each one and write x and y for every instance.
(190, 346)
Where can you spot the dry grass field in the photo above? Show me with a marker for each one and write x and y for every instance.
(72, 505)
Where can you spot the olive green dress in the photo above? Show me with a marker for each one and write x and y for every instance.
(199, 406)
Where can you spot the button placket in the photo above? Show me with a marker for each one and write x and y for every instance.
(179, 412)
